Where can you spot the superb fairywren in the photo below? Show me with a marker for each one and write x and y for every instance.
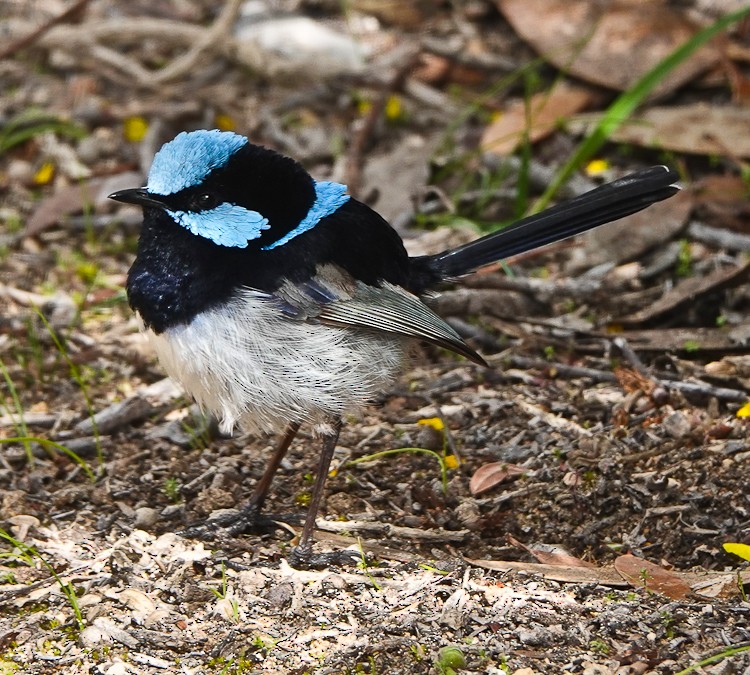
(276, 300)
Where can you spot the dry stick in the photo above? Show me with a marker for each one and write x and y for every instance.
(89, 39)
(690, 388)
(357, 149)
(32, 37)
(627, 351)
(388, 530)
(220, 29)
(732, 241)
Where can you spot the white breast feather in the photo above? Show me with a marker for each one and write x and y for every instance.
(255, 368)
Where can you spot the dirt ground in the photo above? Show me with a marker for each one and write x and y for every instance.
(562, 511)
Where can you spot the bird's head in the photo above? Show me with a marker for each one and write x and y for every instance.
(219, 186)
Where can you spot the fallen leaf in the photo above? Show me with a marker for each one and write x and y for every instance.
(741, 550)
(644, 574)
(723, 202)
(707, 585)
(613, 43)
(65, 201)
(490, 475)
(552, 555)
(576, 575)
(631, 380)
(537, 118)
(696, 128)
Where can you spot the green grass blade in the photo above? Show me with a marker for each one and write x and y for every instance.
(21, 428)
(45, 442)
(75, 373)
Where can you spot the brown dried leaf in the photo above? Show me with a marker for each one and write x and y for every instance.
(396, 12)
(644, 574)
(551, 555)
(722, 202)
(697, 128)
(538, 118)
(575, 575)
(631, 380)
(609, 43)
(66, 201)
(490, 475)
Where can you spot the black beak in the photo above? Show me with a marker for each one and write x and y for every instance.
(139, 196)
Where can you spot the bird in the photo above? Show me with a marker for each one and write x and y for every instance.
(276, 300)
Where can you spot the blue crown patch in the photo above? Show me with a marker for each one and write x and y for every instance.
(189, 157)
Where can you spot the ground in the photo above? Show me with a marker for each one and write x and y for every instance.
(562, 510)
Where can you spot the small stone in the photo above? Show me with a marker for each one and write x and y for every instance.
(677, 425)
(20, 171)
(468, 514)
(536, 637)
(88, 150)
(145, 518)
(93, 635)
(280, 595)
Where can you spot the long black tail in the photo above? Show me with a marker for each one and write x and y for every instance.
(601, 205)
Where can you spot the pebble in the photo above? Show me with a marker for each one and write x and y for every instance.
(677, 425)
(93, 635)
(145, 518)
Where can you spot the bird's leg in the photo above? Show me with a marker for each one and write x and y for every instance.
(302, 555)
(249, 518)
(258, 498)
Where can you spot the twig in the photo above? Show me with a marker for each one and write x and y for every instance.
(732, 241)
(699, 388)
(395, 531)
(215, 35)
(32, 37)
(91, 39)
(633, 359)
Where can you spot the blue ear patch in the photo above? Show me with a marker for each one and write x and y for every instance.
(188, 158)
(226, 225)
(329, 198)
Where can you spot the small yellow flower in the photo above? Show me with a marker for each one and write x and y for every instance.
(451, 462)
(135, 128)
(435, 422)
(224, 123)
(44, 174)
(394, 110)
(596, 167)
(87, 272)
(744, 411)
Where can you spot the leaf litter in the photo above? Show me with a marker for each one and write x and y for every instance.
(604, 554)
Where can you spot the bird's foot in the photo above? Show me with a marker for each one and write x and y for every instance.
(248, 520)
(303, 558)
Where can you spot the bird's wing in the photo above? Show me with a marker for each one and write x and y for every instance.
(332, 297)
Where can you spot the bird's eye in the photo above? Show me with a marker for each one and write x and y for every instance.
(204, 201)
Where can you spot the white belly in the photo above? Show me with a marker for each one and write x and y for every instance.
(251, 366)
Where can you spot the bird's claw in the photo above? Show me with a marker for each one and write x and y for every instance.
(304, 559)
(248, 520)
